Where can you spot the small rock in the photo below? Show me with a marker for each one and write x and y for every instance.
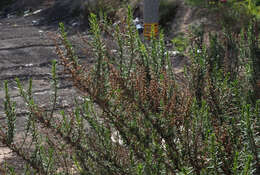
(29, 65)
(26, 15)
(116, 23)
(173, 53)
(113, 51)
(75, 24)
(35, 22)
(116, 138)
(37, 11)
(10, 16)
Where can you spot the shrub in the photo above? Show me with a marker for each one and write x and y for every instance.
(142, 120)
(231, 13)
(108, 7)
(180, 43)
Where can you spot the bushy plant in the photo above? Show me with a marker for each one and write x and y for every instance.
(107, 7)
(180, 43)
(231, 13)
(136, 118)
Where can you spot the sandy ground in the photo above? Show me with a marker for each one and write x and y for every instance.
(26, 51)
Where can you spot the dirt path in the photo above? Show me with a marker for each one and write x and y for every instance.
(26, 51)
(182, 19)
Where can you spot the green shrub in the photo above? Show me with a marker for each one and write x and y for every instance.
(142, 119)
(232, 13)
(180, 43)
(107, 7)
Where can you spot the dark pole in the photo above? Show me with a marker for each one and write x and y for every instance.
(151, 18)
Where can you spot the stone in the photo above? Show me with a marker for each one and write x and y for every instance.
(35, 22)
(37, 11)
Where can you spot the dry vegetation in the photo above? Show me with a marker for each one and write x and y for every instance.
(134, 116)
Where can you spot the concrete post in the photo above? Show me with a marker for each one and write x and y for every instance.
(151, 17)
